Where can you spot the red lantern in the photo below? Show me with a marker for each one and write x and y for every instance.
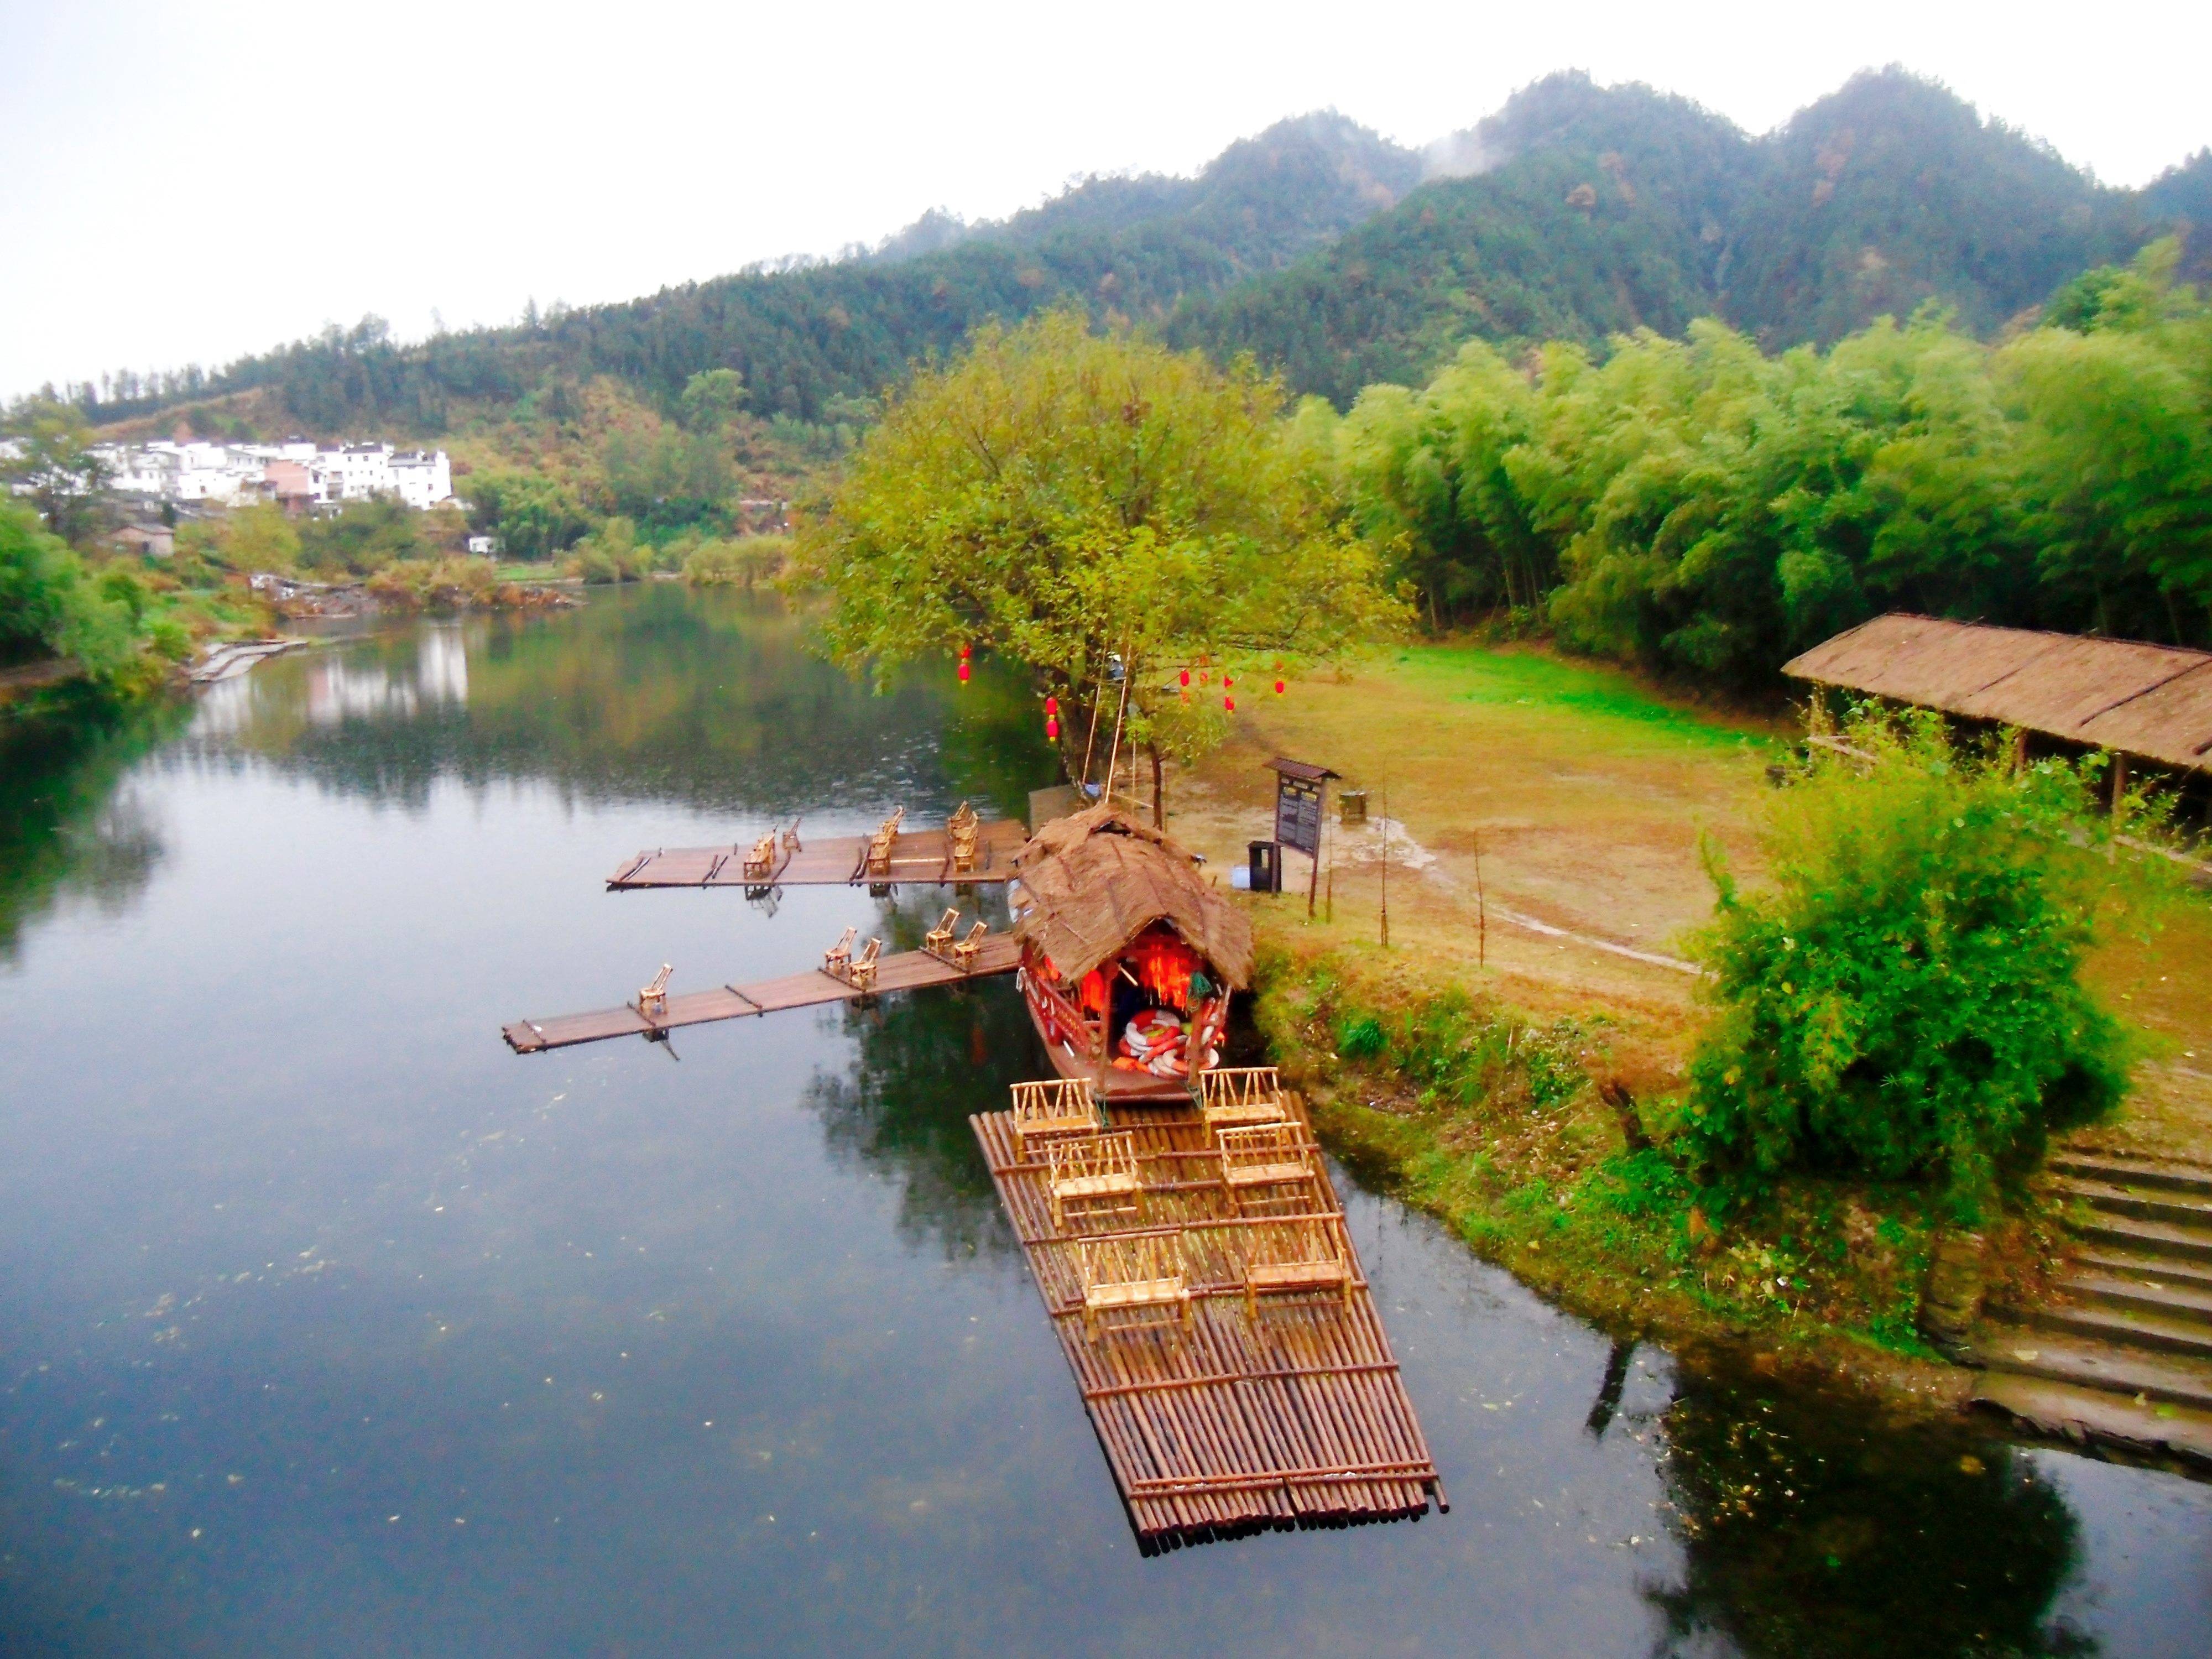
(1230, 704)
(1279, 688)
(965, 649)
(963, 671)
(1227, 682)
(1186, 676)
(1052, 708)
(1052, 730)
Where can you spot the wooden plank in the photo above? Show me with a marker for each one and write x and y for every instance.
(907, 971)
(1296, 1418)
(918, 856)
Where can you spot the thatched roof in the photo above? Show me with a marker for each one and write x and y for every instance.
(1093, 882)
(2154, 701)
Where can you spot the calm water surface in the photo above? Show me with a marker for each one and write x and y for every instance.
(327, 1326)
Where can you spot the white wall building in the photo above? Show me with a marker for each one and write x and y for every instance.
(233, 474)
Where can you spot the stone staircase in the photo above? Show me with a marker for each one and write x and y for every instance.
(2122, 1352)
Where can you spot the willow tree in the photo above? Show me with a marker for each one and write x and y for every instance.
(1108, 513)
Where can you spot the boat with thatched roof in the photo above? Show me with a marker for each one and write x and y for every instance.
(1128, 956)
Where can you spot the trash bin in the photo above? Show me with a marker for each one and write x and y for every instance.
(1266, 867)
(1351, 806)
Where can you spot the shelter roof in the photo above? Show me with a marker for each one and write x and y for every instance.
(1305, 769)
(1094, 881)
(2154, 701)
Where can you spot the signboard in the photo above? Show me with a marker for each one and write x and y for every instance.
(1298, 813)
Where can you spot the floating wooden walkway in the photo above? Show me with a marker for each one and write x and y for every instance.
(908, 971)
(1292, 1417)
(917, 855)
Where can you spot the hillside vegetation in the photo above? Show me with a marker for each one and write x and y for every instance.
(1601, 210)
(1575, 212)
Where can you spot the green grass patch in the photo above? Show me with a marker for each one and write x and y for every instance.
(1482, 674)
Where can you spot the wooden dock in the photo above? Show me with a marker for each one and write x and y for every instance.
(1238, 1421)
(917, 855)
(907, 971)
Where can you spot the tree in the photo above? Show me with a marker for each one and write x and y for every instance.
(260, 538)
(1068, 499)
(712, 399)
(534, 517)
(51, 606)
(49, 454)
(362, 537)
(1904, 998)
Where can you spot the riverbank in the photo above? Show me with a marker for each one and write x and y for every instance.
(1502, 1061)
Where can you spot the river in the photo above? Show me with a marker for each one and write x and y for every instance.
(327, 1326)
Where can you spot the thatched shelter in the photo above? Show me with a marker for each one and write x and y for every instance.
(1093, 882)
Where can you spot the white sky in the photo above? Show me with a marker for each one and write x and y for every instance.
(188, 182)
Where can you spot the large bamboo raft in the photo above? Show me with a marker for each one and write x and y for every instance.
(1238, 1412)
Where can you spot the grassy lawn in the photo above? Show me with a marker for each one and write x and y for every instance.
(1543, 868)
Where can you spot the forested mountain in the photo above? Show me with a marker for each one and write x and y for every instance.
(1574, 213)
(1599, 209)
(813, 341)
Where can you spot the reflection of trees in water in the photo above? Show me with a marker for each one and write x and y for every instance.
(1817, 1526)
(926, 1059)
(63, 829)
(711, 700)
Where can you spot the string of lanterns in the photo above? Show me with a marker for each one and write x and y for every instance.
(1182, 686)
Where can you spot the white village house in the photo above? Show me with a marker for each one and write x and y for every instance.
(295, 473)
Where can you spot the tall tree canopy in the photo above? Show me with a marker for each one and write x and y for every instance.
(1066, 498)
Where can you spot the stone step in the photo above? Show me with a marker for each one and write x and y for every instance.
(2159, 1379)
(2146, 1238)
(2124, 1171)
(2129, 1328)
(2139, 1295)
(2175, 1209)
(2079, 1414)
(2131, 1264)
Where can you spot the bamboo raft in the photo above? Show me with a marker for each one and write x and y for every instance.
(914, 855)
(652, 1015)
(1236, 1408)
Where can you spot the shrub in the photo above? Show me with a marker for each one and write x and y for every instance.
(1904, 998)
(742, 562)
(1360, 1037)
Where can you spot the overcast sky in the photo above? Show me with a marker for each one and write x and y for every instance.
(185, 183)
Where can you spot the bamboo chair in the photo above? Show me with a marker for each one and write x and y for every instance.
(837, 960)
(1057, 1106)
(861, 976)
(964, 953)
(1301, 1256)
(962, 834)
(937, 941)
(653, 999)
(1094, 1175)
(1140, 1275)
(1258, 1156)
(791, 837)
(759, 863)
(880, 844)
(1239, 1097)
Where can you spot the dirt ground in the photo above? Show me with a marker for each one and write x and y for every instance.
(1575, 803)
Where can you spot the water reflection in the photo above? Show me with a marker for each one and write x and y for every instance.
(66, 824)
(1816, 1527)
(707, 701)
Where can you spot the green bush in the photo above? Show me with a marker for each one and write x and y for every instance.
(1360, 1037)
(743, 562)
(1904, 1000)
